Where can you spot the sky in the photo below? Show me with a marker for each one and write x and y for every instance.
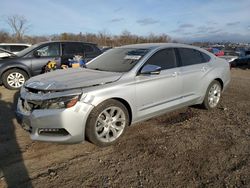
(188, 20)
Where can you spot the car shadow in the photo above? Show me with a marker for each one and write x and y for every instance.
(12, 168)
(243, 67)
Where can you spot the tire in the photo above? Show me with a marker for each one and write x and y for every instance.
(14, 78)
(213, 94)
(102, 128)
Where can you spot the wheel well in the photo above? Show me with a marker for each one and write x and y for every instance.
(16, 68)
(126, 104)
(221, 82)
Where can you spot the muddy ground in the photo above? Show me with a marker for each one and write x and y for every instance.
(187, 148)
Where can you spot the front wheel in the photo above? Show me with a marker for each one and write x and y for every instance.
(14, 78)
(107, 122)
(212, 96)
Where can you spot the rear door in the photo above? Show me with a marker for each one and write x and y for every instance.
(158, 92)
(194, 67)
(45, 54)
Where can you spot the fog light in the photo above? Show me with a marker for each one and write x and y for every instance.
(52, 132)
(48, 130)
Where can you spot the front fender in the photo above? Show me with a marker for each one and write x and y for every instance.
(8, 66)
(125, 92)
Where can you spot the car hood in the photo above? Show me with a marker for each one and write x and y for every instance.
(8, 59)
(71, 79)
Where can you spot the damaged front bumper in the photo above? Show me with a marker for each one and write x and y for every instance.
(65, 125)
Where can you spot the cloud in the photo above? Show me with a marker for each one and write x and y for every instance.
(118, 9)
(182, 27)
(219, 37)
(147, 21)
(116, 20)
(211, 23)
(215, 31)
(232, 23)
(204, 29)
(186, 25)
(179, 30)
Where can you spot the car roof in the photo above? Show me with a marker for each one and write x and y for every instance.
(64, 41)
(159, 45)
(14, 44)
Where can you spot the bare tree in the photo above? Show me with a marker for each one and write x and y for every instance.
(4, 36)
(19, 25)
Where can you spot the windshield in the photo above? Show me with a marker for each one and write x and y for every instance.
(27, 50)
(117, 59)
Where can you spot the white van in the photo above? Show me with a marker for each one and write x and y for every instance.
(13, 47)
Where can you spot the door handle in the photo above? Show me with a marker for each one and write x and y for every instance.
(174, 74)
(204, 69)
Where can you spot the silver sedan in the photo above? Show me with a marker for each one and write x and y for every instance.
(122, 86)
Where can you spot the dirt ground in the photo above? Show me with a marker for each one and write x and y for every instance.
(187, 148)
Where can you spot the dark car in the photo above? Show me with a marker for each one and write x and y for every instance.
(243, 60)
(15, 70)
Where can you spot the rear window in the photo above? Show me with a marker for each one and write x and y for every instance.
(88, 48)
(206, 58)
(192, 57)
(72, 48)
(17, 48)
(4, 47)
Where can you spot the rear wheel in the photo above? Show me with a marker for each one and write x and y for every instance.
(107, 122)
(213, 95)
(14, 78)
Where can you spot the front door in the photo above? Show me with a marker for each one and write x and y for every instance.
(155, 93)
(43, 55)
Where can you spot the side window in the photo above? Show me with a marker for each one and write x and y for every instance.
(88, 48)
(206, 58)
(163, 58)
(190, 56)
(72, 49)
(49, 50)
(17, 48)
(5, 47)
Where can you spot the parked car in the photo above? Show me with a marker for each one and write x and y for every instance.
(5, 53)
(216, 51)
(230, 59)
(14, 47)
(15, 70)
(120, 87)
(244, 59)
(230, 56)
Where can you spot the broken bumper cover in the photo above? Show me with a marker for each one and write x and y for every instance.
(55, 125)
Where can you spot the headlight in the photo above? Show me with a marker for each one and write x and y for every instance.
(62, 102)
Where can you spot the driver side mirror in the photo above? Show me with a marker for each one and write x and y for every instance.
(150, 69)
(36, 54)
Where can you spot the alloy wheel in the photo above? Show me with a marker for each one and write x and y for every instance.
(110, 124)
(214, 95)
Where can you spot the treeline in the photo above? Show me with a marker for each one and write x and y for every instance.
(102, 38)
